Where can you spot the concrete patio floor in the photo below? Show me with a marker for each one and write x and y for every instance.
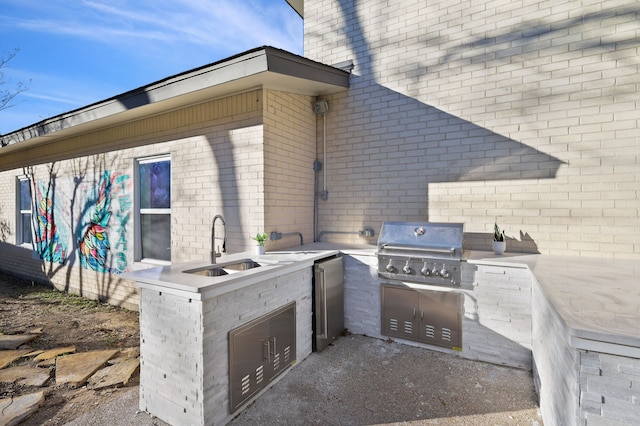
(364, 381)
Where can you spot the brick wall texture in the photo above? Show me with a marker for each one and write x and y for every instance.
(609, 389)
(524, 112)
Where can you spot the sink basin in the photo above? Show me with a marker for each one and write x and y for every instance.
(221, 269)
(242, 265)
(208, 272)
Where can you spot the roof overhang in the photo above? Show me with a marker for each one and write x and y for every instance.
(264, 67)
(298, 6)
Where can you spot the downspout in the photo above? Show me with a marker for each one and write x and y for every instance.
(320, 107)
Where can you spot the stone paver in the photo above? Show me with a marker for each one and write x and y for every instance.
(52, 353)
(77, 368)
(25, 375)
(13, 341)
(15, 410)
(7, 357)
(115, 375)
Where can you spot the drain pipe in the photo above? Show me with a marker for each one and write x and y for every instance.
(321, 108)
(317, 166)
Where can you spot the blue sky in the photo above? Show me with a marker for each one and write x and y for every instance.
(73, 53)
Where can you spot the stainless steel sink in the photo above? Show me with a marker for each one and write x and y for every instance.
(208, 272)
(221, 269)
(242, 265)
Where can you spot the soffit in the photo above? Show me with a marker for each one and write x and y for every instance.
(298, 6)
(264, 67)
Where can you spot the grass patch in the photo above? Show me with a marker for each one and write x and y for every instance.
(64, 300)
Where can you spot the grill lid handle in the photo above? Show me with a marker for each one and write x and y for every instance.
(451, 251)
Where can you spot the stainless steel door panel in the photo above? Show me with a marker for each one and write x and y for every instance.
(400, 312)
(329, 301)
(427, 316)
(248, 353)
(281, 343)
(260, 350)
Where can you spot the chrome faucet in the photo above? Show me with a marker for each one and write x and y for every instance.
(215, 254)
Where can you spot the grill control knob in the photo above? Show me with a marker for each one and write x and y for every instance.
(444, 273)
(435, 272)
(406, 268)
(390, 267)
(425, 270)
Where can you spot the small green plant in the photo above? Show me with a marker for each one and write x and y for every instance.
(260, 238)
(498, 235)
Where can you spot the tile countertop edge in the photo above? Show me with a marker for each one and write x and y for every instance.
(574, 285)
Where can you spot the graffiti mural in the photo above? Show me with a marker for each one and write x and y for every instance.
(60, 230)
(47, 239)
(93, 246)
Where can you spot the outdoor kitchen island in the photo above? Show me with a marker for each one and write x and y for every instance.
(583, 338)
(186, 314)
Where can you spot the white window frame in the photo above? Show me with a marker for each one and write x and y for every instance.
(20, 212)
(140, 211)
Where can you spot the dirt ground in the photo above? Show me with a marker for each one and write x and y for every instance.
(64, 320)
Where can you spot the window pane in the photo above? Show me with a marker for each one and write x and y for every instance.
(25, 195)
(26, 228)
(156, 236)
(155, 185)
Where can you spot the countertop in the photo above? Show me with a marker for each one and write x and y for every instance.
(176, 278)
(598, 299)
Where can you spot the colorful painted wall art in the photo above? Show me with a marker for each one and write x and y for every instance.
(75, 216)
(48, 243)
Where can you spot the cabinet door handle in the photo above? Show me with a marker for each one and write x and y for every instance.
(323, 308)
(266, 354)
(414, 312)
(274, 348)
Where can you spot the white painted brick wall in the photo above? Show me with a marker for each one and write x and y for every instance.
(472, 111)
(289, 153)
(184, 372)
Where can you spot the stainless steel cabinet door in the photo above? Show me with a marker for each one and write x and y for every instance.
(427, 316)
(400, 312)
(259, 351)
(281, 342)
(248, 359)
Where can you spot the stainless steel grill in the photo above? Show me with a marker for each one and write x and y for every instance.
(423, 253)
(428, 253)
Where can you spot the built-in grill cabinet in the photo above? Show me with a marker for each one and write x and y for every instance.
(259, 351)
(432, 317)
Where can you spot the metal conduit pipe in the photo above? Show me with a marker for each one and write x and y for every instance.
(275, 236)
(366, 232)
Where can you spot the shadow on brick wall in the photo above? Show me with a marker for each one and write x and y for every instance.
(524, 243)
